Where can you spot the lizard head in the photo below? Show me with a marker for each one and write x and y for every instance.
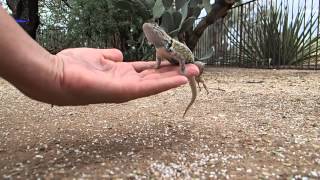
(156, 35)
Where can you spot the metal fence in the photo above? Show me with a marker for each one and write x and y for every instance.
(265, 34)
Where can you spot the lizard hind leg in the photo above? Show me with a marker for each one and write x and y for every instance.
(203, 83)
(199, 78)
(198, 82)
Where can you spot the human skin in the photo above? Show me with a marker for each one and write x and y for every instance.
(79, 76)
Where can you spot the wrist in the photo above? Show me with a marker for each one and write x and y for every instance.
(44, 82)
(27, 65)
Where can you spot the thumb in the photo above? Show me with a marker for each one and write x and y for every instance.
(112, 54)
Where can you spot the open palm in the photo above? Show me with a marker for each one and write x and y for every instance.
(99, 75)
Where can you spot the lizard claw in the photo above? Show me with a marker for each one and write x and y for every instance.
(183, 72)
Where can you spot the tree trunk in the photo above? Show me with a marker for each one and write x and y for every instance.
(26, 10)
(219, 10)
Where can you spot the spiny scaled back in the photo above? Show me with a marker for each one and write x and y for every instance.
(182, 50)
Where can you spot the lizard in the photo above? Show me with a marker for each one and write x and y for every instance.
(176, 53)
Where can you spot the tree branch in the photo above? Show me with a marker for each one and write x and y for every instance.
(66, 3)
(11, 5)
(219, 10)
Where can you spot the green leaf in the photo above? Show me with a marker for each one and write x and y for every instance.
(149, 3)
(207, 5)
(180, 4)
(177, 19)
(184, 12)
(187, 24)
(158, 9)
(123, 4)
(167, 3)
(196, 11)
(195, 3)
(174, 33)
(167, 22)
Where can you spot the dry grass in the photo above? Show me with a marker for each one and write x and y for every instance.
(254, 124)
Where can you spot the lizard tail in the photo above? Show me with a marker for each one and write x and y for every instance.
(193, 85)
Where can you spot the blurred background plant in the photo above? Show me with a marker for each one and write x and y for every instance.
(266, 37)
(180, 18)
(63, 24)
(276, 38)
(98, 24)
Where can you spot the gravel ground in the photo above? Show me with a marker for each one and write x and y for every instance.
(254, 124)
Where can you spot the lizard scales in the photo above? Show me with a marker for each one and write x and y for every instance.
(175, 52)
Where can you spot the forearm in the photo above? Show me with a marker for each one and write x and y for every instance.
(25, 64)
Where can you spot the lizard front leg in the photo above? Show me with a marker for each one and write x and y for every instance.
(158, 62)
(182, 63)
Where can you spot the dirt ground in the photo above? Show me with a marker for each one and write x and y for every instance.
(254, 124)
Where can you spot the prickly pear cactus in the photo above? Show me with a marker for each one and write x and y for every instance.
(178, 16)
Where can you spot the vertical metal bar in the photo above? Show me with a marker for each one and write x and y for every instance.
(310, 33)
(258, 22)
(296, 53)
(288, 11)
(281, 28)
(253, 31)
(241, 34)
(284, 45)
(272, 5)
(224, 49)
(222, 40)
(255, 18)
(278, 31)
(233, 46)
(204, 40)
(218, 33)
(207, 39)
(228, 30)
(237, 37)
(237, 40)
(318, 34)
(266, 55)
(211, 32)
(247, 32)
(304, 27)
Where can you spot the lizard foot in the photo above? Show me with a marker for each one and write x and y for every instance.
(157, 66)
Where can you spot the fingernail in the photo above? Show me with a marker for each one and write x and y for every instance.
(184, 80)
(193, 70)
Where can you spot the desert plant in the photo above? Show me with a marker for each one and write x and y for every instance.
(178, 17)
(274, 39)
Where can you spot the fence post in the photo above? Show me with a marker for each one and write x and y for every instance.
(241, 37)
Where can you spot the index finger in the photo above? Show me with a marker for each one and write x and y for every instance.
(192, 70)
(140, 66)
(151, 87)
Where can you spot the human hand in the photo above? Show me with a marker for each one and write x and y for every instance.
(90, 76)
